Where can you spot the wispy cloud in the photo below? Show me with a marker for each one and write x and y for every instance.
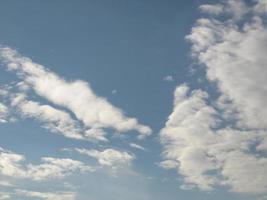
(168, 78)
(109, 157)
(94, 112)
(47, 195)
(137, 146)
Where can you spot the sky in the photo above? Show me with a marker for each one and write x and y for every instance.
(126, 100)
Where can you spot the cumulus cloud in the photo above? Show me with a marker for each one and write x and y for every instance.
(109, 157)
(235, 58)
(223, 142)
(207, 155)
(14, 165)
(95, 112)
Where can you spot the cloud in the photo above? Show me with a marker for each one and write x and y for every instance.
(95, 112)
(13, 165)
(169, 164)
(114, 91)
(235, 60)
(96, 134)
(137, 146)
(3, 108)
(207, 154)
(212, 9)
(4, 195)
(222, 142)
(47, 195)
(109, 157)
(53, 119)
(3, 113)
(4, 183)
(235, 8)
(168, 78)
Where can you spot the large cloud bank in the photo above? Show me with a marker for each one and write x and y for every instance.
(223, 141)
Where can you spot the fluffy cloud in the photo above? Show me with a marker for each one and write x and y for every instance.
(95, 112)
(212, 9)
(109, 157)
(224, 142)
(208, 155)
(13, 165)
(235, 59)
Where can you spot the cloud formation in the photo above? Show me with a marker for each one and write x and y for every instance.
(13, 165)
(137, 146)
(223, 142)
(47, 195)
(168, 78)
(95, 112)
(109, 157)
(53, 119)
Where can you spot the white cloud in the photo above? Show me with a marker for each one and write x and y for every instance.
(137, 146)
(109, 157)
(169, 164)
(3, 108)
(4, 183)
(3, 113)
(95, 134)
(212, 9)
(168, 78)
(261, 6)
(224, 142)
(207, 155)
(53, 119)
(235, 59)
(114, 91)
(94, 111)
(13, 165)
(4, 196)
(47, 195)
(236, 8)
(52, 168)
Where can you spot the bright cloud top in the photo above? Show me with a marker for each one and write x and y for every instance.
(223, 142)
(95, 112)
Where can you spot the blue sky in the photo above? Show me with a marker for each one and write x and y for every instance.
(127, 100)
